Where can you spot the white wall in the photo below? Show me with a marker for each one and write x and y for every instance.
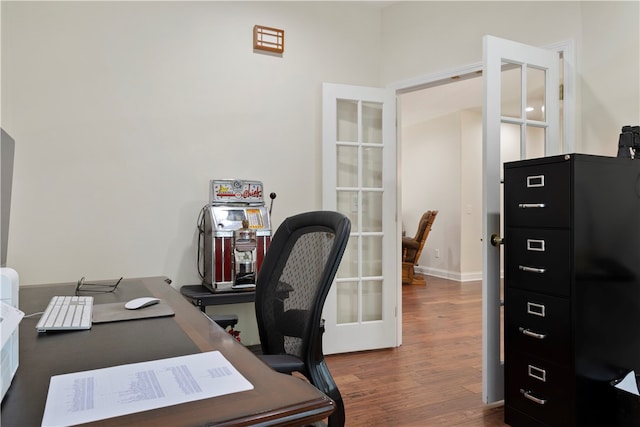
(609, 73)
(123, 111)
(471, 195)
(442, 170)
(431, 180)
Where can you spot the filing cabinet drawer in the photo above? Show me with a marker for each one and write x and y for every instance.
(538, 324)
(538, 195)
(539, 388)
(539, 259)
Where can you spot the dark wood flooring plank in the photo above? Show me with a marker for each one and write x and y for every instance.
(435, 377)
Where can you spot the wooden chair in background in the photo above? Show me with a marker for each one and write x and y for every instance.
(412, 248)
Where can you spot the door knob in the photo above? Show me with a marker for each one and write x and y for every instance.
(497, 240)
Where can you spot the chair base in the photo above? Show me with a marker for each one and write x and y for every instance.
(409, 277)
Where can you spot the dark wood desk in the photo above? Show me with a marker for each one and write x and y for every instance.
(276, 400)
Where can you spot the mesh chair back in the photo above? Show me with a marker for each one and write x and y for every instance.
(294, 280)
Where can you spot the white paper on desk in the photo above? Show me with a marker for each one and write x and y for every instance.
(10, 318)
(87, 396)
(629, 384)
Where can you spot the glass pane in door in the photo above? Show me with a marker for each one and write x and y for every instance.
(511, 98)
(510, 144)
(372, 123)
(347, 168)
(535, 142)
(347, 302)
(360, 191)
(371, 300)
(372, 206)
(347, 120)
(347, 204)
(371, 256)
(535, 94)
(349, 264)
(372, 167)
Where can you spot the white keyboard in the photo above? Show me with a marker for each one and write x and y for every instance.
(67, 314)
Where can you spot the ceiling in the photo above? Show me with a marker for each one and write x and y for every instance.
(432, 102)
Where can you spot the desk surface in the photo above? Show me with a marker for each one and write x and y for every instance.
(276, 399)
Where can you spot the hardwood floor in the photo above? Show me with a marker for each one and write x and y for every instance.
(434, 378)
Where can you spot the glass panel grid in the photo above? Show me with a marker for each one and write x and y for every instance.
(529, 118)
(359, 190)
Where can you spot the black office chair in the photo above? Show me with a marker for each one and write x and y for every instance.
(291, 289)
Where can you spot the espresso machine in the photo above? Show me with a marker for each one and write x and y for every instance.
(235, 232)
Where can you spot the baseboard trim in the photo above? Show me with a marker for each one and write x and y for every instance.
(450, 275)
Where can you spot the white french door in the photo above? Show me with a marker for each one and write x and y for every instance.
(359, 180)
(517, 124)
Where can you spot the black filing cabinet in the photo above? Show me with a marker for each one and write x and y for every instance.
(572, 290)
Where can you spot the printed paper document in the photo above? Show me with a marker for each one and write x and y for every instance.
(87, 396)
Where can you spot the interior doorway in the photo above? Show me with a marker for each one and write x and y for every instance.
(440, 145)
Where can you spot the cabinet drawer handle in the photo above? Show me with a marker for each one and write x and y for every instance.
(535, 245)
(535, 181)
(531, 397)
(532, 269)
(530, 333)
(536, 309)
(537, 373)
(531, 205)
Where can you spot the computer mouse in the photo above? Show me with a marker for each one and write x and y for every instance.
(137, 303)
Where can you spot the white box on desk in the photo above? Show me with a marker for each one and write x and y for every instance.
(9, 288)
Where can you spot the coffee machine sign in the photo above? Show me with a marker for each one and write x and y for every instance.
(228, 191)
